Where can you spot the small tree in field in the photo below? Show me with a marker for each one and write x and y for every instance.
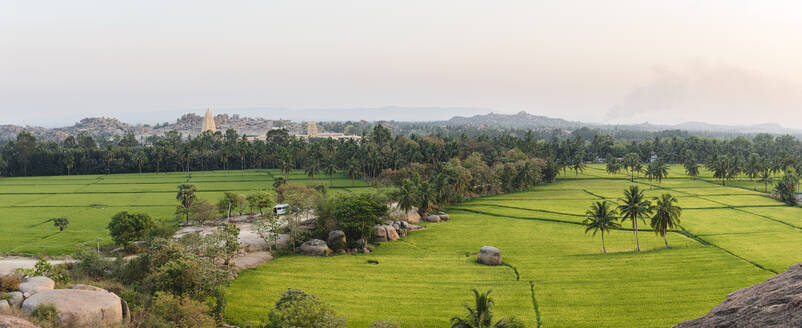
(202, 211)
(229, 201)
(61, 223)
(260, 199)
(128, 227)
(357, 214)
(601, 217)
(267, 226)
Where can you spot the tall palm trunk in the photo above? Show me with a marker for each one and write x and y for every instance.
(665, 241)
(635, 227)
(603, 248)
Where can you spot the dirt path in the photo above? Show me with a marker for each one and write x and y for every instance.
(9, 264)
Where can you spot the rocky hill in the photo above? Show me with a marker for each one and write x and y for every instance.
(776, 302)
(521, 120)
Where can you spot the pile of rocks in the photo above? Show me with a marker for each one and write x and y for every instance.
(81, 305)
(436, 218)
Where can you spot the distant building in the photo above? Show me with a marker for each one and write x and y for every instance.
(208, 122)
(311, 130)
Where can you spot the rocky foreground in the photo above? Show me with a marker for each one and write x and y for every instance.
(776, 302)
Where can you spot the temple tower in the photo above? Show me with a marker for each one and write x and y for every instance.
(311, 130)
(208, 122)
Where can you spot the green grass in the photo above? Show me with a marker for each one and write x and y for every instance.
(28, 203)
(735, 238)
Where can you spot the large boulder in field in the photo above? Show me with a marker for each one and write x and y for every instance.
(413, 217)
(392, 234)
(776, 302)
(443, 216)
(33, 285)
(315, 247)
(4, 306)
(432, 218)
(7, 321)
(489, 255)
(337, 241)
(84, 308)
(379, 233)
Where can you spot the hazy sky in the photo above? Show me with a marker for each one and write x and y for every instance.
(604, 61)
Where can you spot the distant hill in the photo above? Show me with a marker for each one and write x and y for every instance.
(521, 120)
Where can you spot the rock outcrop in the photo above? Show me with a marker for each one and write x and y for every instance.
(384, 233)
(15, 299)
(443, 216)
(337, 241)
(89, 308)
(776, 302)
(315, 247)
(432, 218)
(33, 285)
(489, 255)
(7, 321)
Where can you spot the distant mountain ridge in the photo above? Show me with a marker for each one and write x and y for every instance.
(189, 124)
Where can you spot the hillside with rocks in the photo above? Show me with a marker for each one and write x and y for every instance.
(777, 302)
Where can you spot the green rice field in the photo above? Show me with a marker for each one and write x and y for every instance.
(27, 204)
(731, 237)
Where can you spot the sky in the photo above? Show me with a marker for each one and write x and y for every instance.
(728, 62)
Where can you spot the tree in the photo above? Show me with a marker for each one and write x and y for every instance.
(61, 223)
(613, 166)
(691, 167)
(754, 165)
(424, 198)
(354, 169)
(481, 315)
(230, 200)
(765, 178)
(127, 227)
(298, 309)
(185, 196)
(634, 206)
(632, 164)
(660, 171)
(312, 169)
(260, 199)
(226, 239)
(601, 218)
(202, 210)
(267, 226)
(406, 196)
(140, 159)
(578, 165)
(278, 181)
(357, 214)
(785, 189)
(666, 215)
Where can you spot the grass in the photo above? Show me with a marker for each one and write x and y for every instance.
(28, 203)
(735, 238)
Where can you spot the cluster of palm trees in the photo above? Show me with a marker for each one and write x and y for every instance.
(663, 213)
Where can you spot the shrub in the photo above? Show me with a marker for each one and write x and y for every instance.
(43, 268)
(168, 310)
(357, 214)
(45, 315)
(298, 309)
(202, 211)
(10, 282)
(128, 227)
(169, 266)
(90, 263)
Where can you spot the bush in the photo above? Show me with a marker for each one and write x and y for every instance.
(43, 268)
(10, 282)
(45, 315)
(128, 227)
(298, 309)
(357, 214)
(168, 310)
(90, 263)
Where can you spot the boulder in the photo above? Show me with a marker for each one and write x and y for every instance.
(251, 260)
(87, 287)
(7, 321)
(443, 216)
(33, 285)
(379, 233)
(776, 302)
(432, 218)
(15, 299)
(413, 217)
(4, 306)
(336, 240)
(392, 234)
(87, 308)
(489, 255)
(315, 247)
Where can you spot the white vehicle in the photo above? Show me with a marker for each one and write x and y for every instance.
(281, 209)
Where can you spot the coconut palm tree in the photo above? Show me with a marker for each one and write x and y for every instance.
(61, 223)
(650, 173)
(666, 215)
(407, 196)
(765, 178)
(660, 171)
(634, 206)
(754, 165)
(632, 164)
(601, 217)
(185, 196)
(481, 316)
(691, 168)
(613, 166)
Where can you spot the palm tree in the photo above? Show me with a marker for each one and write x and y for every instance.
(278, 181)
(634, 207)
(691, 168)
(660, 171)
(286, 167)
(185, 196)
(650, 173)
(613, 166)
(765, 178)
(601, 218)
(666, 215)
(407, 196)
(577, 165)
(312, 169)
(61, 223)
(425, 202)
(632, 164)
(754, 165)
(481, 316)
(140, 159)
